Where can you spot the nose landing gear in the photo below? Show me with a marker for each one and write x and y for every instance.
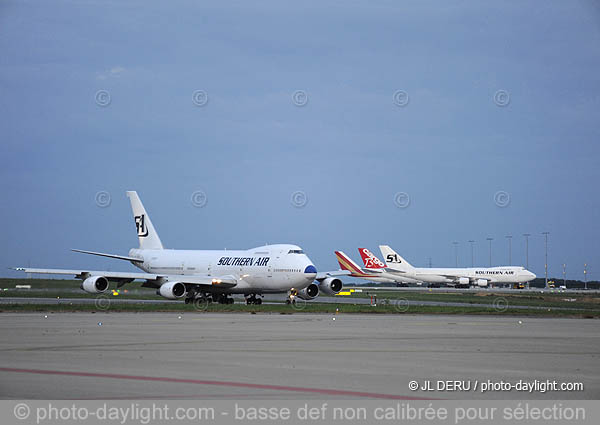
(292, 295)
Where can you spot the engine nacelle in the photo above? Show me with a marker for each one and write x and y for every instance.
(95, 284)
(172, 290)
(482, 282)
(331, 286)
(309, 293)
(463, 280)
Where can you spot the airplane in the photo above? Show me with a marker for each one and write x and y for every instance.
(202, 276)
(372, 272)
(459, 277)
(374, 264)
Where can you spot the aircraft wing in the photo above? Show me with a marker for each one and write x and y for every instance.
(82, 274)
(103, 254)
(451, 276)
(456, 277)
(324, 275)
(227, 281)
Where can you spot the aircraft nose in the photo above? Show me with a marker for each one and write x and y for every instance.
(531, 276)
(310, 269)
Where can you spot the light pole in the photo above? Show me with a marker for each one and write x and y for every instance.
(546, 257)
(527, 249)
(490, 239)
(509, 237)
(564, 275)
(456, 252)
(585, 276)
(471, 242)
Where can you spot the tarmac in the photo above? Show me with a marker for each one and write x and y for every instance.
(242, 356)
(274, 299)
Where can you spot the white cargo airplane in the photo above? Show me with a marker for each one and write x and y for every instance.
(203, 276)
(480, 276)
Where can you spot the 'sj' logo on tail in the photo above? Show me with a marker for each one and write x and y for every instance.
(393, 258)
(140, 225)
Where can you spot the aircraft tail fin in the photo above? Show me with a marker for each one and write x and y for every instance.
(145, 230)
(370, 260)
(393, 259)
(346, 263)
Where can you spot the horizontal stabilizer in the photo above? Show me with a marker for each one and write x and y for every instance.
(375, 271)
(392, 270)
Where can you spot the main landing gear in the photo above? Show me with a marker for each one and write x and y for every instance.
(192, 295)
(197, 297)
(207, 298)
(253, 299)
(222, 299)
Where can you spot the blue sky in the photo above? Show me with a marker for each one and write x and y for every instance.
(350, 149)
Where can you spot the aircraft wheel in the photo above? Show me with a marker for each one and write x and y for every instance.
(259, 301)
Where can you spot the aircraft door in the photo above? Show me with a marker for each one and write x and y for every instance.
(271, 265)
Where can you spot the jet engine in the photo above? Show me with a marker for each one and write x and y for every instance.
(482, 282)
(331, 286)
(95, 284)
(309, 293)
(172, 290)
(463, 280)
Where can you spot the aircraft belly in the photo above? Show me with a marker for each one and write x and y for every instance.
(433, 278)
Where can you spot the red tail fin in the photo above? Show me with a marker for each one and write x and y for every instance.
(370, 260)
(347, 264)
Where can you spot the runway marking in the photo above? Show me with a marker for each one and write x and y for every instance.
(324, 391)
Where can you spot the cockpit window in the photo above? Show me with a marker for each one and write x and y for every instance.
(295, 251)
